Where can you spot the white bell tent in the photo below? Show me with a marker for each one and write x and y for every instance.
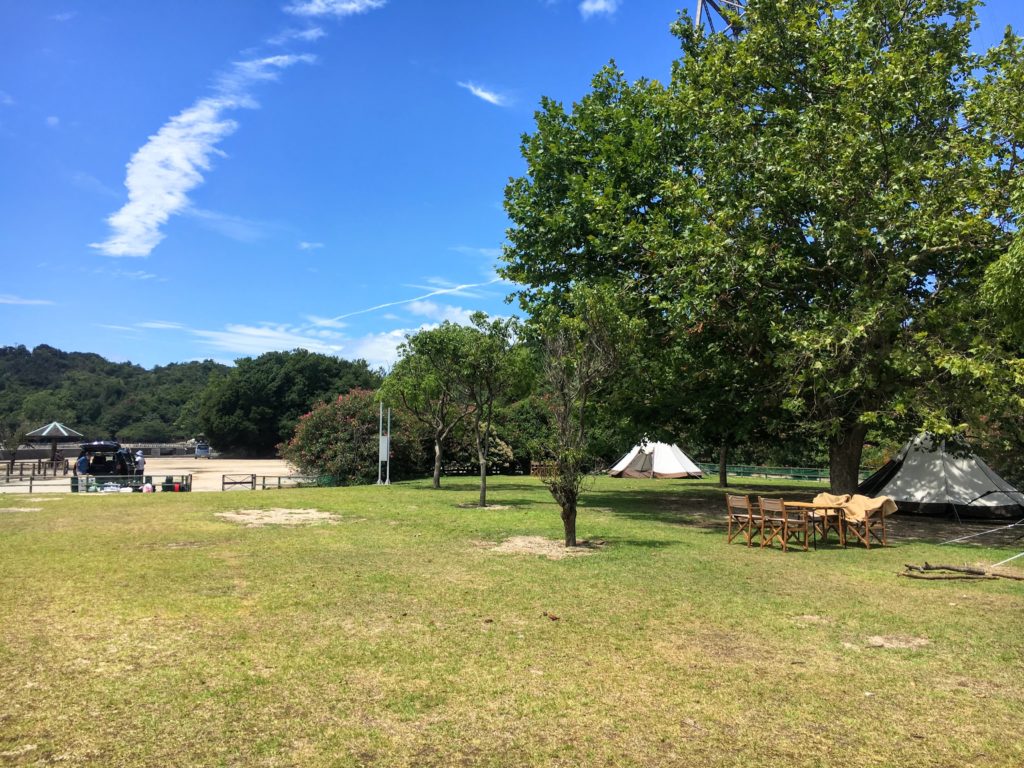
(650, 460)
(932, 477)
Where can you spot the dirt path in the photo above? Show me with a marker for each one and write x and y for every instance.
(206, 473)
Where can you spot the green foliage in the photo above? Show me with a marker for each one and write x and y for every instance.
(340, 438)
(801, 217)
(425, 382)
(99, 398)
(257, 404)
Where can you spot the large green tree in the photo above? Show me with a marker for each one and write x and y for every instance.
(255, 407)
(802, 195)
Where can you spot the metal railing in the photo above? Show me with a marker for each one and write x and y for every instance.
(96, 483)
(274, 482)
(818, 474)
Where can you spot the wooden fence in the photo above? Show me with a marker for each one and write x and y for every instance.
(36, 468)
(274, 482)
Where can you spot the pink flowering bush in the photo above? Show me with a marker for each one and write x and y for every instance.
(340, 438)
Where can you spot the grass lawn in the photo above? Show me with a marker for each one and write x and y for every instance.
(146, 631)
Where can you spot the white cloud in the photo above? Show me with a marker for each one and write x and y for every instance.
(337, 8)
(325, 322)
(257, 339)
(168, 166)
(53, 121)
(162, 325)
(306, 246)
(6, 99)
(455, 290)
(8, 298)
(66, 16)
(309, 35)
(491, 97)
(135, 274)
(590, 8)
(380, 350)
(439, 313)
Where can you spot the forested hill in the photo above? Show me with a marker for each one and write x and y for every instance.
(99, 398)
(247, 409)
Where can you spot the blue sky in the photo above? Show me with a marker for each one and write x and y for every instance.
(219, 178)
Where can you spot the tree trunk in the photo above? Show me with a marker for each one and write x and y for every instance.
(569, 523)
(437, 462)
(844, 453)
(723, 478)
(481, 452)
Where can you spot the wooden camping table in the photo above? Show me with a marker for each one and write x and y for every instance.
(825, 519)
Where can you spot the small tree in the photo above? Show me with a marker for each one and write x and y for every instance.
(495, 367)
(579, 353)
(425, 380)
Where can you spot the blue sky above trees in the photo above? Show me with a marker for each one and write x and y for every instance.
(196, 180)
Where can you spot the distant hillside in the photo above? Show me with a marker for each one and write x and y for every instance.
(99, 398)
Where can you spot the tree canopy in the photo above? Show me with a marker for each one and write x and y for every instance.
(803, 200)
(256, 405)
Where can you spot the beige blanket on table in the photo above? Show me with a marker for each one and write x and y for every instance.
(830, 500)
(860, 507)
(857, 507)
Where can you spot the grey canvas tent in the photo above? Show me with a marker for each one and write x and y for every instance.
(652, 460)
(930, 477)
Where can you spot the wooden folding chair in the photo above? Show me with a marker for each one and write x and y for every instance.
(867, 527)
(742, 519)
(797, 526)
(773, 521)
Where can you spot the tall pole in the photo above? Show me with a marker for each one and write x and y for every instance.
(380, 438)
(387, 481)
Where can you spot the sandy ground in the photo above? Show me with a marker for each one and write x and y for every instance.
(206, 473)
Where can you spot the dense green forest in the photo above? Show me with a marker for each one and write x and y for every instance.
(99, 398)
(246, 409)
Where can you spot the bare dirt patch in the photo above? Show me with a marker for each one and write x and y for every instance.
(470, 505)
(257, 518)
(549, 548)
(896, 641)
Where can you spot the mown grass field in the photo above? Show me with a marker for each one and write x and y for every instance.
(145, 631)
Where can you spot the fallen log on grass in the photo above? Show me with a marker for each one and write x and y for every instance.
(930, 572)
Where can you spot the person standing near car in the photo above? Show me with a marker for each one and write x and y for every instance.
(82, 465)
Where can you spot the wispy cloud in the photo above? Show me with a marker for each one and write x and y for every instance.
(307, 246)
(233, 227)
(53, 121)
(337, 8)
(286, 36)
(491, 97)
(162, 173)
(65, 16)
(126, 274)
(9, 298)
(438, 292)
(491, 253)
(161, 325)
(440, 312)
(590, 8)
(6, 99)
(325, 322)
(256, 339)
